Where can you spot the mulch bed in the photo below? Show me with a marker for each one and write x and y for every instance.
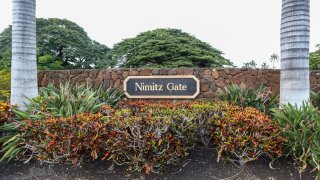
(200, 164)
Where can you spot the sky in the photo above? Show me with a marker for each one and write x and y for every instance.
(243, 30)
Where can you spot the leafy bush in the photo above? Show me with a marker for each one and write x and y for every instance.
(204, 111)
(147, 135)
(302, 129)
(246, 133)
(70, 139)
(244, 97)
(66, 101)
(144, 135)
(4, 85)
(56, 139)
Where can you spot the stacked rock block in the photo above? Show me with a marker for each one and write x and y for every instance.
(211, 80)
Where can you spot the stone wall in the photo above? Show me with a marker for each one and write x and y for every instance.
(211, 80)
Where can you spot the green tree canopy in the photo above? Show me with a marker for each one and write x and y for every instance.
(169, 48)
(60, 44)
(5, 48)
(315, 59)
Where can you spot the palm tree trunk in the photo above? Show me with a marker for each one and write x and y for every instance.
(24, 63)
(295, 28)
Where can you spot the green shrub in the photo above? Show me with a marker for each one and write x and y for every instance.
(302, 129)
(246, 133)
(4, 85)
(247, 97)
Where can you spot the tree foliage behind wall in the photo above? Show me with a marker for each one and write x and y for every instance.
(315, 59)
(4, 85)
(61, 44)
(251, 64)
(170, 48)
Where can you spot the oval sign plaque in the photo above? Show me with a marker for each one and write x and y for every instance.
(162, 87)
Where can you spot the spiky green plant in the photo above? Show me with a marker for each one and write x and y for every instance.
(302, 129)
(65, 101)
(261, 98)
(69, 100)
(11, 146)
(12, 140)
(315, 98)
(111, 96)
